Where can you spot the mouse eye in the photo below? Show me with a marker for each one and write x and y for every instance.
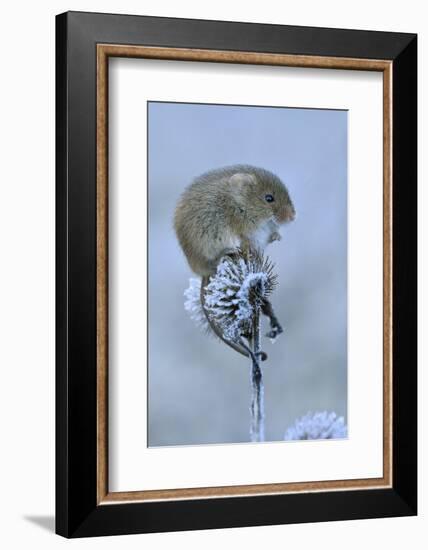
(269, 198)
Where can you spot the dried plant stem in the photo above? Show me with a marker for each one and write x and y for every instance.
(257, 429)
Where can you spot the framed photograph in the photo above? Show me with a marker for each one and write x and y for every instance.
(222, 187)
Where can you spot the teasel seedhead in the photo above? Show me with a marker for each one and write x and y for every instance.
(242, 282)
(320, 425)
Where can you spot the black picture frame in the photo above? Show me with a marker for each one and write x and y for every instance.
(77, 511)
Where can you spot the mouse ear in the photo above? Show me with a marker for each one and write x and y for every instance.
(241, 178)
(240, 183)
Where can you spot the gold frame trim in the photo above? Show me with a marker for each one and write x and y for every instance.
(104, 51)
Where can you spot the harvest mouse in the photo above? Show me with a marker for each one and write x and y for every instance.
(228, 208)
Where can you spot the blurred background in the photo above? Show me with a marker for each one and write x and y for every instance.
(199, 389)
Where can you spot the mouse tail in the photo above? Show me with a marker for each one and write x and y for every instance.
(240, 346)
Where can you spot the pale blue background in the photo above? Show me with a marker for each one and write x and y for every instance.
(198, 388)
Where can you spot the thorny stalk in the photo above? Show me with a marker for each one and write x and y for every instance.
(257, 428)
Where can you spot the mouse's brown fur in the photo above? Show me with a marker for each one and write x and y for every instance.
(227, 208)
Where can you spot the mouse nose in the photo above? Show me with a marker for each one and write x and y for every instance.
(291, 214)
